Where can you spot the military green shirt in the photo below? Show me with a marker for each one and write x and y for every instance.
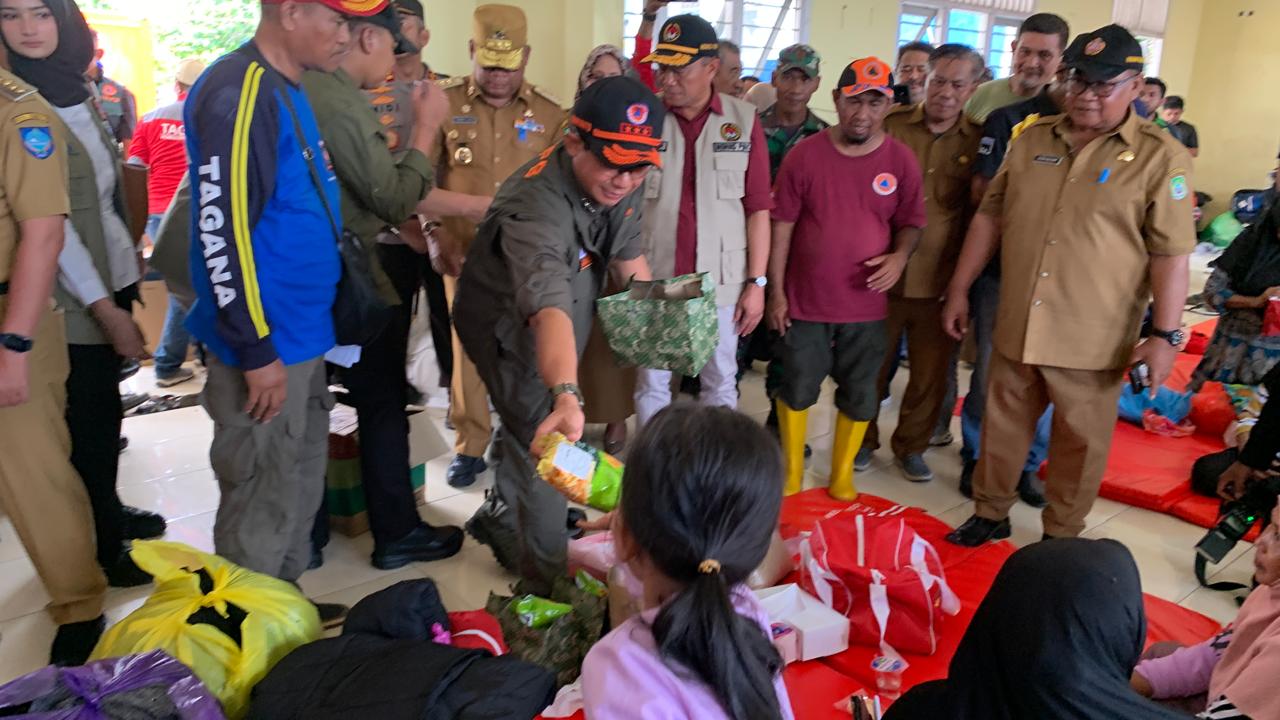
(377, 190)
(781, 139)
(543, 244)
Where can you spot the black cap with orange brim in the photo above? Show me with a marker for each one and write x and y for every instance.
(620, 120)
(684, 39)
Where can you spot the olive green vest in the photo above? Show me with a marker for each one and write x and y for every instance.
(86, 218)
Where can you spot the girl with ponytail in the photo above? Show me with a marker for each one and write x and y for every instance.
(700, 502)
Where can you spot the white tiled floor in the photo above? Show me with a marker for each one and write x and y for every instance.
(166, 469)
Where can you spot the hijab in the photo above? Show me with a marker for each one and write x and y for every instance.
(1247, 672)
(1252, 260)
(595, 56)
(60, 77)
(1056, 638)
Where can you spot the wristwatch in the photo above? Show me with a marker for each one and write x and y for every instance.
(1173, 337)
(16, 343)
(569, 389)
(761, 281)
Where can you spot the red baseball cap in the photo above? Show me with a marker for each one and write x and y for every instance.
(357, 8)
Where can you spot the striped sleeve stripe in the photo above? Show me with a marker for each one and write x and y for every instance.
(239, 185)
(1222, 709)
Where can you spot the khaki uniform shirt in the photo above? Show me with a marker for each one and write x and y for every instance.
(946, 161)
(480, 146)
(1078, 229)
(33, 164)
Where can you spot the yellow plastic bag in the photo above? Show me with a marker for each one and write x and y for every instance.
(276, 618)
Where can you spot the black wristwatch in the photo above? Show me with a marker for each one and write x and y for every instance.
(569, 389)
(649, 17)
(1173, 337)
(16, 343)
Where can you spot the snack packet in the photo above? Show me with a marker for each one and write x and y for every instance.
(580, 472)
(536, 612)
(588, 584)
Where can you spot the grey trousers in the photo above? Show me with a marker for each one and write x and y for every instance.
(535, 511)
(271, 475)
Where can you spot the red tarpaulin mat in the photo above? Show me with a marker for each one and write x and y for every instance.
(815, 687)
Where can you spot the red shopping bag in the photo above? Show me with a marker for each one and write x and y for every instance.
(887, 579)
(1271, 320)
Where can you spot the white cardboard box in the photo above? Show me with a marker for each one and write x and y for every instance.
(820, 631)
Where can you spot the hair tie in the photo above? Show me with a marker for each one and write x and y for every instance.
(709, 567)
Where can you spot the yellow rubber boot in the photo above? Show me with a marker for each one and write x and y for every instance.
(848, 441)
(792, 425)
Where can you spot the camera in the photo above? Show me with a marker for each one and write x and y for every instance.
(1237, 518)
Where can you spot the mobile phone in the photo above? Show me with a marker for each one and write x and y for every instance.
(1139, 377)
(901, 95)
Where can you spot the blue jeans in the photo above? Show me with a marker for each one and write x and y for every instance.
(984, 297)
(171, 352)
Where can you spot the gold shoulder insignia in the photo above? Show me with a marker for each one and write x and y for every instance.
(452, 82)
(13, 89)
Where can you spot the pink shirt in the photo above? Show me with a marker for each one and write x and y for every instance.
(846, 211)
(624, 678)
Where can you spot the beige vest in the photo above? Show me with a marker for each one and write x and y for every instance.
(722, 154)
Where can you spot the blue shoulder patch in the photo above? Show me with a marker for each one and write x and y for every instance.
(38, 141)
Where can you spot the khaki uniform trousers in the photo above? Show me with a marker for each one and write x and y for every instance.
(929, 350)
(40, 489)
(1084, 420)
(468, 397)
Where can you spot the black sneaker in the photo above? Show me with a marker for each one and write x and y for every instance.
(142, 524)
(978, 531)
(423, 544)
(332, 615)
(464, 469)
(1031, 490)
(125, 573)
(75, 641)
(966, 478)
(489, 527)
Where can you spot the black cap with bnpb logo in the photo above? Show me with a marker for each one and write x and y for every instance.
(1104, 53)
(620, 120)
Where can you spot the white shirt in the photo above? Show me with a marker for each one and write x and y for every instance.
(76, 272)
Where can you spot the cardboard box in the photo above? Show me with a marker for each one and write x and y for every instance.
(819, 630)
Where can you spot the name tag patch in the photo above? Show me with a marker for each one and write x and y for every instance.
(1049, 159)
(464, 120)
(730, 147)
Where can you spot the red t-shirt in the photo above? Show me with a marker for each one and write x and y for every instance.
(845, 210)
(758, 195)
(160, 143)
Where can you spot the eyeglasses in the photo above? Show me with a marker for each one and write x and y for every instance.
(1077, 85)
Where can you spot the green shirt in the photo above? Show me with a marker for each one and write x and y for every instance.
(377, 190)
(989, 97)
(781, 139)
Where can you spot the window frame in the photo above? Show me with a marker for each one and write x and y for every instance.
(733, 28)
(940, 11)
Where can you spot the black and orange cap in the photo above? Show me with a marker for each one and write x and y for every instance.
(620, 120)
(866, 75)
(356, 8)
(683, 39)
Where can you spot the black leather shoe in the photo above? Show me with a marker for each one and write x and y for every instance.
(977, 531)
(464, 469)
(423, 544)
(124, 572)
(1031, 490)
(74, 641)
(966, 478)
(142, 524)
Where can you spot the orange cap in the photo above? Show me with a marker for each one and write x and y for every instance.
(358, 8)
(864, 74)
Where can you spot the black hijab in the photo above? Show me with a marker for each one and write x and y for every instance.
(1056, 639)
(1252, 260)
(60, 77)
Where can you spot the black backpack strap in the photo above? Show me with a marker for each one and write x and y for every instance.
(309, 155)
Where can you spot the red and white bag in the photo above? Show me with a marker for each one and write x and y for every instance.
(887, 579)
